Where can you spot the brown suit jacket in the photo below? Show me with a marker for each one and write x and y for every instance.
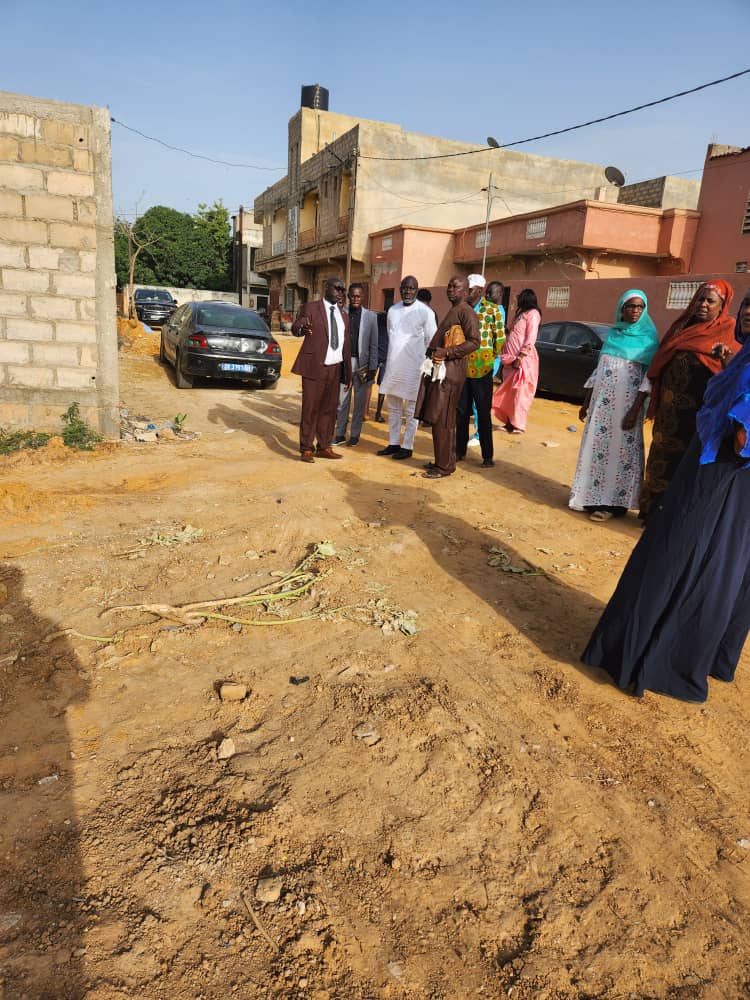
(310, 362)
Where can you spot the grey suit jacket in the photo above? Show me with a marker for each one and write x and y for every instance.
(368, 340)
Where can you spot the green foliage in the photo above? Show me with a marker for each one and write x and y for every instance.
(77, 434)
(121, 254)
(179, 421)
(215, 221)
(184, 251)
(11, 441)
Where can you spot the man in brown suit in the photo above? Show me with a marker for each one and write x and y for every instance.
(455, 338)
(324, 361)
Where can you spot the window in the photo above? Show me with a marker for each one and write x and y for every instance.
(680, 293)
(536, 228)
(228, 317)
(386, 243)
(549, 333)
(578, 335)
(746, 220)
(288, 299)
(481, 238)
(741, 267)
(388, 296)
(558, 296)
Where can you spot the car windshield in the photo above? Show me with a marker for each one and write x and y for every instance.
(153, 294)
(230, 319)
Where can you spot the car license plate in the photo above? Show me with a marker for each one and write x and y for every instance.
(227, 367)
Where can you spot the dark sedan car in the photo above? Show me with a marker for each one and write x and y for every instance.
(568, 354)
(219, 340)
(153, 305)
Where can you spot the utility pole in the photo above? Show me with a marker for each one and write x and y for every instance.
(487, 223)
(240, 256)
(350, 225)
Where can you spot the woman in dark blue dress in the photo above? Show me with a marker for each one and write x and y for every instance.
(681, 611)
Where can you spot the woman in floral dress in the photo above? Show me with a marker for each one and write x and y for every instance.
(609, 473)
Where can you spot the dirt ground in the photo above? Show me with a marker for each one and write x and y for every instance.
(461, 812)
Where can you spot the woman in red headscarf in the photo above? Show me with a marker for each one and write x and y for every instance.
(695, 347)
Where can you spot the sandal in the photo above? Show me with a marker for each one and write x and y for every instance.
(601, 515)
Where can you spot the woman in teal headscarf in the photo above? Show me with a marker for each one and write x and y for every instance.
(609, 473)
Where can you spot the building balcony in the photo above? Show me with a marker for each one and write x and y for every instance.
(343, 226)
(278, 247)
(583, 225)
(308, 238)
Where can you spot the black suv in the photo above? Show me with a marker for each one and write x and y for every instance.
(153, 305)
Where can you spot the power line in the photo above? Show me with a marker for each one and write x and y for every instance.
(197, 156)
(570, 128)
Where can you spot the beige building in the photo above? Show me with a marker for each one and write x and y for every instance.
(346, 180)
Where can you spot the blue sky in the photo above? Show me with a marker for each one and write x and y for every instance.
(223, 79)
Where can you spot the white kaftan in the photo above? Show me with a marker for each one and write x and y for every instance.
(410, 330)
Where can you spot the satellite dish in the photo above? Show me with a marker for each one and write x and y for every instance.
(491, 141)
(614, 176)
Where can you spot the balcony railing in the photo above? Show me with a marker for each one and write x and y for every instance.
(278, 247)
(308, 238)
(343, 225)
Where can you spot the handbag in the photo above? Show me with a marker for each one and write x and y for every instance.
(454, 337)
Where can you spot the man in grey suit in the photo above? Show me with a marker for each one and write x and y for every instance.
(363, 332)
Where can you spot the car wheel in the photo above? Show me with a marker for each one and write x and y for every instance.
(162, 355)
(183, 381)
(269, 385)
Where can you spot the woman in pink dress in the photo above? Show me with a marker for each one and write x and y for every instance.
(512, 399)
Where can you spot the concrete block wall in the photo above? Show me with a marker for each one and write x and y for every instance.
(58, 337)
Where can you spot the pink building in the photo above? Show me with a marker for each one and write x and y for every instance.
(723, 238)
(579, 257)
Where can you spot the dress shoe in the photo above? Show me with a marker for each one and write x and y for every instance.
(402, 453)
(488, 464)
(434, 474)
(327, 453)
(352, 442)
(429, 465)
(379, 419)
(339, 440)
(390, 450)
(306, 456)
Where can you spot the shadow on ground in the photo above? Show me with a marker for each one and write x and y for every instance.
(41, 878)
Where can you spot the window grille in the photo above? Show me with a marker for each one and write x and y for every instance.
(558, 296)
(680, 293)
(746, 220)
(536, 228)
(481, 238)
(741, 267)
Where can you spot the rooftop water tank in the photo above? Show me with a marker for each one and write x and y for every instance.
(314, 96)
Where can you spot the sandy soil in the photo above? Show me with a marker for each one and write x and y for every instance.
(462, 812)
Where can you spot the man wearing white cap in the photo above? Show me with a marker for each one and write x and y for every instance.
(478, 386)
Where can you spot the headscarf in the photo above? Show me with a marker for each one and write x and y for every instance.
(739, 336)
(697, 338)
(726, 402)
(632, 341)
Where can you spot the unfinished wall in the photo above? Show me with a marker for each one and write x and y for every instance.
(58, 341)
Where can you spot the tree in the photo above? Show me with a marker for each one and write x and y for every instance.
(167, 247)
(129, 244)
(215, 220)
